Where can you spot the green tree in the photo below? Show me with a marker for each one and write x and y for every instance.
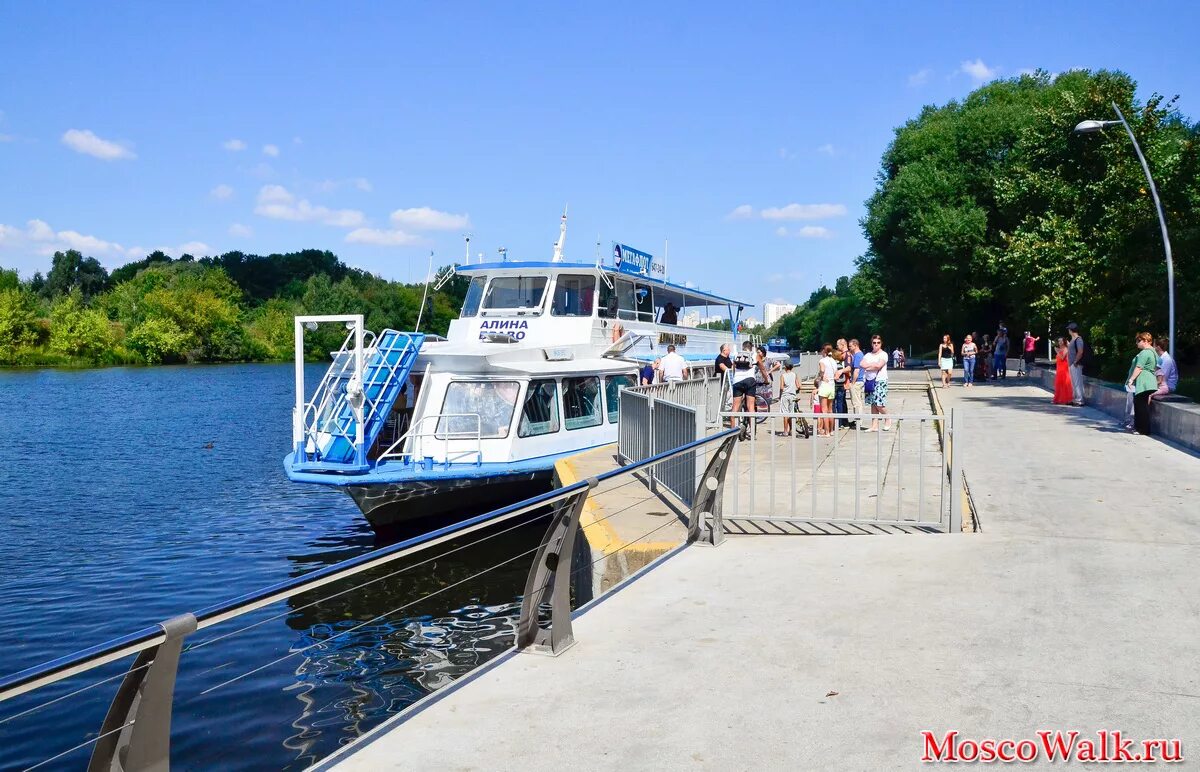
(160, 340)
(991, 209)
(70, 270)
(78, 331)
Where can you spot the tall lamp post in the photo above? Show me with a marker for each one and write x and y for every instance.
(1091, 127)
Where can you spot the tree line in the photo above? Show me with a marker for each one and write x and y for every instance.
(991, 209)
(230, 308)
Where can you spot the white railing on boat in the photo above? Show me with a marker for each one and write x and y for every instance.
(415, 438)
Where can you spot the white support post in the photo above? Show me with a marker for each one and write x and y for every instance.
(298, 411)
(360, 451)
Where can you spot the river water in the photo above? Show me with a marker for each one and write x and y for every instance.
(129, 495)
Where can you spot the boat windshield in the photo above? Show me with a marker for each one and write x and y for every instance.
(474, 296)
(493, 401)
(515, 293)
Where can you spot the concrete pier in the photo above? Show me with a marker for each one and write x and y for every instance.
(1076, 608)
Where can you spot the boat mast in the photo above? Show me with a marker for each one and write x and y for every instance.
(562, 238)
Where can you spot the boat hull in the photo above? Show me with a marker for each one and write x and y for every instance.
(393, 505)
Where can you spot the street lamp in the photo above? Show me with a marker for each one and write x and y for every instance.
(1091, 127)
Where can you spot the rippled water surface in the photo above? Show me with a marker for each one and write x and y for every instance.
(117, 514)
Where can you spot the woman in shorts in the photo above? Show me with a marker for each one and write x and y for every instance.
(946, 360)
(827, 370)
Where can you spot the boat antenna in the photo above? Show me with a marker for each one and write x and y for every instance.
(467, 250)
(562, 237)
(503, 254)
(597, 250)
(425, 292)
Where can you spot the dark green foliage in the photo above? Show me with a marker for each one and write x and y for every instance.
(235, 307)
(991, 209)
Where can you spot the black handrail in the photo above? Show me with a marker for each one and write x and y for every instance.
(85, 659)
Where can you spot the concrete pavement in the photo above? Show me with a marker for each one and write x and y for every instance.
(1076, 608)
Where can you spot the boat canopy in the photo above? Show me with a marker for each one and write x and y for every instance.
(664, 291)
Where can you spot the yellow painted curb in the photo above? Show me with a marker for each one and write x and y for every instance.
(600, 534)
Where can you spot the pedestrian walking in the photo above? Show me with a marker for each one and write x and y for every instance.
(857, 396)
(1062, 374)
(1028, 344)
(946, 360)
(1076, 350)
(1141, 382)
(969, 352)
(875, 383)
(987, 355)
(1000, 363)
(789, 386)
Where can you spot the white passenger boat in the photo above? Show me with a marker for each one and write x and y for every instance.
(411, 426)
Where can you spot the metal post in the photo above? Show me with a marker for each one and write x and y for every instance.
(710, 498)
(956, 479)
(812, 444)
(136, 733)
(551, 572)
(921, 474)
(1162, 223)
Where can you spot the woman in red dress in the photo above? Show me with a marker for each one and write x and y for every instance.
(1062, 376)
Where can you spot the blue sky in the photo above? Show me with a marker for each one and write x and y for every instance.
(747, 134)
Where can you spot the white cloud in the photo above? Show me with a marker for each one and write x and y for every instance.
(979, 71)
(271, 150)
(241, 231)
(234, 144)
(803, 212)
(423, 218)
(383, 238)
(41, 239)
(275, 202)
(781, 231)
(920, 77)
(743, 212)
(194, 248)
(363, 184)
(814, 232)
(826, 149)
(221, 192)
(84, 141)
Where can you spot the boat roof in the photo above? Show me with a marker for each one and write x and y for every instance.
(684, 293)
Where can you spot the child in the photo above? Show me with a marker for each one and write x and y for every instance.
(788, 386)
(816, 397)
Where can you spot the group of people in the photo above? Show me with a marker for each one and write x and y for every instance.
(985, 358)
(849, 380)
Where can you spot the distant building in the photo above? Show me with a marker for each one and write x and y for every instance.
(749, 322)
(772, 312)
(690, 319)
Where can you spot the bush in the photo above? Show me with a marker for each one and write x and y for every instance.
(18, 325)
(159, 340)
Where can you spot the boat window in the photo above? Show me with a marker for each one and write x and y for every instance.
(612, 391)
(581, 402)
(493, 401)
(540, 414)
(573, 295)
(474, 295)
(519, 293)
(645, 303)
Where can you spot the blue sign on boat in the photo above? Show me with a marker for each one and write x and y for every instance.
(634, 261)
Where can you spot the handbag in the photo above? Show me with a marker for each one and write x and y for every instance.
(869, 386)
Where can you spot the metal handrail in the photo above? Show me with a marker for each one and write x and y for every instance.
(29, 679)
